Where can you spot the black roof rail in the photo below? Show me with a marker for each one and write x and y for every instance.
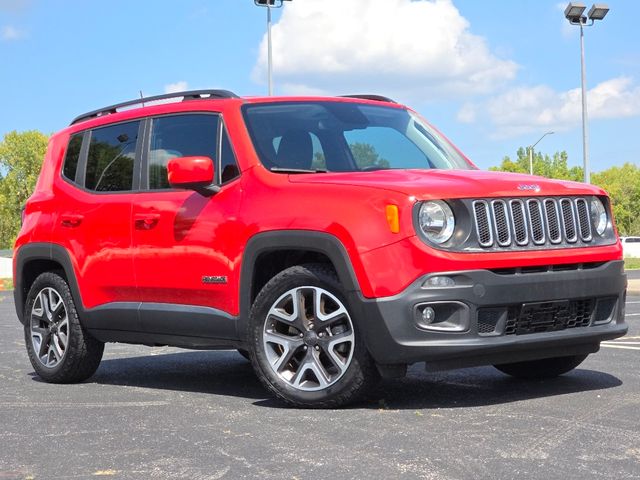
(368, 96)
(190, 95)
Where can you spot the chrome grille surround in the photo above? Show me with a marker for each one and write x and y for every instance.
(536, 226)
(568, 220)
(584, 220)
(501, 222)
(519, 221)
(482, 222)
(533, 222)
(552, 217)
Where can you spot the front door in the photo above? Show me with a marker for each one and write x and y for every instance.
(181, 258)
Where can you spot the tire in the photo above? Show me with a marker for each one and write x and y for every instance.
(59, 348)
(540, 369)
(310, 357)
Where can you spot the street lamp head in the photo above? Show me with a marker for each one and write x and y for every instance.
(598, 11)
(574, 11)
(270, 3)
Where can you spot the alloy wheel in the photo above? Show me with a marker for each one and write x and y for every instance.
(49, 327)
(308, 338)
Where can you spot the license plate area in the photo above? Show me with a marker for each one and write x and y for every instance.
(543, 317)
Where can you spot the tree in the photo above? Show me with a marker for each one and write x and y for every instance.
(621, 183)
(21, 157)
(623, 186)
(543, 165)
(366, 156)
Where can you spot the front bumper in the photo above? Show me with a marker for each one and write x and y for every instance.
(395, 335)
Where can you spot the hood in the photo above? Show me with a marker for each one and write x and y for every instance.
(431, 184)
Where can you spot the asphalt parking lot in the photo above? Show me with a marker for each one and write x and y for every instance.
(170, 413)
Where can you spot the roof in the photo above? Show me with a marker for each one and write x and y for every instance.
(201, 95)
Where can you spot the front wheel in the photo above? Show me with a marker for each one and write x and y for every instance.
(59, 348)
(540, 369)
(305, 346)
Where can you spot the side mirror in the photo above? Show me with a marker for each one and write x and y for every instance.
(193, 173)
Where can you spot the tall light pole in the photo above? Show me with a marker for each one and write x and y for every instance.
(574, 13)
(531, 151)
(269, 4)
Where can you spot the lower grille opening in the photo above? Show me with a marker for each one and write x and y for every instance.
(552, 316)
(547, 268)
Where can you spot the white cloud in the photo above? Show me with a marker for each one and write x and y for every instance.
(10, 33)
(467, 113)
(525, 109)
(179, 86)
(412, 49)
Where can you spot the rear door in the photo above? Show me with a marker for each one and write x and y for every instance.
(94, 217)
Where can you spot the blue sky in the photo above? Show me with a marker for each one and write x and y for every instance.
(492, 75)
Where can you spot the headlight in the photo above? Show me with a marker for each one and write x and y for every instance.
(598, 216)
(436, 221)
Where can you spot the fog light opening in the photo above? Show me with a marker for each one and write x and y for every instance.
(442, 316)
(428, 315)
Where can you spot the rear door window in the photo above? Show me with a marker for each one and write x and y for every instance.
(111, 157)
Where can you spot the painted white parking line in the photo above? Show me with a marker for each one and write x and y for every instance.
(632, 315)
(621, 342)
(628, 303)
(608, 345)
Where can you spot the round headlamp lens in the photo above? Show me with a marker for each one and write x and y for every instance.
(436, 221)
(598, 216)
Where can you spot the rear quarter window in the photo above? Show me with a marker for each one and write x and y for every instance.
(72, 157)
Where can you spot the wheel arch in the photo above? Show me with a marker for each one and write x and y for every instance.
(36, 258)
(268, 253)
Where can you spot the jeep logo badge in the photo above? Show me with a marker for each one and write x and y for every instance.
(529, 187)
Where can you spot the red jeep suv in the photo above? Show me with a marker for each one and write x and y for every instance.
(330, 240)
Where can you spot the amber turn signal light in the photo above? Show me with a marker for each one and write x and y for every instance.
(393, 219)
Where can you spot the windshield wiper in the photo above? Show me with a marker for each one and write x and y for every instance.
(297, 170)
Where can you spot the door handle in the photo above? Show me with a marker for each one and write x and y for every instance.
(146, 221)
(70, 220)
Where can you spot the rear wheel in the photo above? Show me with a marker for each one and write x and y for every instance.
(545, 368)
(305, 347)
(59, 349)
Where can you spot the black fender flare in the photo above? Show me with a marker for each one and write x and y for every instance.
(304, 240)
(43, 251)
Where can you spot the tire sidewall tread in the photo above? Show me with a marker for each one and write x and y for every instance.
(361, 373)
(83, 354)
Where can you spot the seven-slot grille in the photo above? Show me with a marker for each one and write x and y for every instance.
(522, 222)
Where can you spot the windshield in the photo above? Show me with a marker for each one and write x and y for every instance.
(345, 137)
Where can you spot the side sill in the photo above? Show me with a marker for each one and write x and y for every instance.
(161, 340)
(162, 324)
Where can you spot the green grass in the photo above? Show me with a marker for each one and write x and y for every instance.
(6, 284)
(631, 263)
